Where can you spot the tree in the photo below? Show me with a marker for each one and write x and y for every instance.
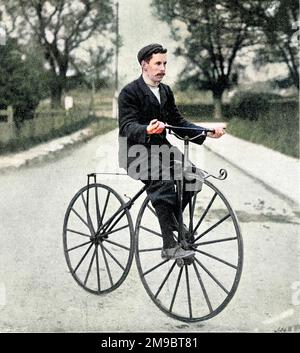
(98, 60)
(214, 33)
(22, 79)
(277, 20)
(95, 68)
(60, 27)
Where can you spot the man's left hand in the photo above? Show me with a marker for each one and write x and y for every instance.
(219, 131)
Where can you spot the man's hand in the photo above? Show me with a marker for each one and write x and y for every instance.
(219, 131)
(155, 127)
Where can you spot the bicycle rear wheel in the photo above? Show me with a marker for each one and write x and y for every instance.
(97, 239)
(200, 287)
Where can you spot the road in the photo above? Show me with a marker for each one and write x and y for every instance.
(37, 293)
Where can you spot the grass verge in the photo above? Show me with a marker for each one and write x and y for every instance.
(280, 134)
(98, 125)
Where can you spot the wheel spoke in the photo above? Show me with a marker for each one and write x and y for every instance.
(151, 209)
(212, 276)
(117, 244)
(151, 231)
(79, 246)
(112, 256)
(80, 233)
(155, 267)
(82, 220)
(150, 249)
(165, 280)
(89, 220)
(203, 288)
(83, 257)
(216, 258)
(205, 212)
(188, 290)
(176, 288)
(213, 226)
(106, 264)
(116, 230)
(98, 269)
(105, 206)
(90, 267)
(99, 218)
(214, 241)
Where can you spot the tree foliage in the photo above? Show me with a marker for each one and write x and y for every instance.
(23, 79)
(277, 21)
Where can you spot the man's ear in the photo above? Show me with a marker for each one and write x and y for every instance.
(144, 64)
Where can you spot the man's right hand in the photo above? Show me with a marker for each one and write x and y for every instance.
(155, 127)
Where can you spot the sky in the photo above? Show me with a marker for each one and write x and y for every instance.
(138, 27)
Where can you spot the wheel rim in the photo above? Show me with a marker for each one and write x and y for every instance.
(98, 247)
(205, 284)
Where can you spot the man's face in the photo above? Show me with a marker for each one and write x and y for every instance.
(156, 68)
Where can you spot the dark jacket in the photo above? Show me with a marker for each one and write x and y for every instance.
(138, 106)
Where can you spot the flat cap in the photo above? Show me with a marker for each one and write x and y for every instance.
(149, 50)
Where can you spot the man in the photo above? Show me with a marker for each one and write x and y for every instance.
(145, 106)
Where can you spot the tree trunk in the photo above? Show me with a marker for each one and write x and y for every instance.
(217, 98)
(56, 95)
(57, 88)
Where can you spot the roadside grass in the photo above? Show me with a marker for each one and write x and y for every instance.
(191, 96)
(278, 133)
(103, 125)
(98, 126)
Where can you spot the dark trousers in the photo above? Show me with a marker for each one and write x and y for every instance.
(164, 199)
(162, 190)
(161, 177)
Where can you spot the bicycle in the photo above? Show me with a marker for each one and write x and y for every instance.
(98, 213)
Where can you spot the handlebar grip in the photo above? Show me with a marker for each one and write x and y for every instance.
(213, 130)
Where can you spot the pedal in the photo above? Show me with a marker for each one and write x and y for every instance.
(189, 260)
(180, 262)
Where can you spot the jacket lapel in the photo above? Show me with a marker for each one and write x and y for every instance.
(163, 96)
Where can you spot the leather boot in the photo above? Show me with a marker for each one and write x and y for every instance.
(164, 215)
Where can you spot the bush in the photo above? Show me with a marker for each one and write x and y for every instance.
(251, 105)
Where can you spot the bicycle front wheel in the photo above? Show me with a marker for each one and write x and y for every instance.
(98, 239)
(200, 287)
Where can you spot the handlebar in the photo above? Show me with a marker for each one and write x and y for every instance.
(179, 128)
(200, 131)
